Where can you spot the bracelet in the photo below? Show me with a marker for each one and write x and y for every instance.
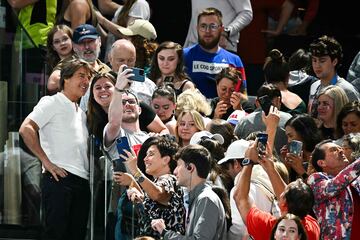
(120, 90)
(137, 174)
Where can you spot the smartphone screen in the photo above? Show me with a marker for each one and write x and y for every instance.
(265, 103)
(121, 144)
(295, 147)
(262, 140)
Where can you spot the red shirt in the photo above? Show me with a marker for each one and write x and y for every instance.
(259, 225)
(355, 226)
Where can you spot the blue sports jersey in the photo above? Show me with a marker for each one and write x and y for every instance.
(202, 67)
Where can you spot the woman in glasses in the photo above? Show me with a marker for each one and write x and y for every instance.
(168, 67)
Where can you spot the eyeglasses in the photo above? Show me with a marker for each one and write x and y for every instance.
(211, 27)
(129, 101)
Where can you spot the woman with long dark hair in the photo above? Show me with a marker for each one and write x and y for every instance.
(167, 66)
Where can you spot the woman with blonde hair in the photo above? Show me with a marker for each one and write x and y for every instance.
(188, 123)
(193, 99)
(330, 100)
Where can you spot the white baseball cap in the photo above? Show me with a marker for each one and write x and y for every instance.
(235, 150)
(139, 27)
(198, 136)
(235, 116)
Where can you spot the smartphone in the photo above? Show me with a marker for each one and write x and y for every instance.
(295, 147)
(265, 103)
(238, 86)
(121, 144)
(262, 140)
(139, 74)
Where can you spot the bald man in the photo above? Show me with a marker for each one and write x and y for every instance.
(124, 52)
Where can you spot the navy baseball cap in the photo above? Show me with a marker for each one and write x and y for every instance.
(84, 31)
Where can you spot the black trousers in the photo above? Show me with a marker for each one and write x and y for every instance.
(66, 207)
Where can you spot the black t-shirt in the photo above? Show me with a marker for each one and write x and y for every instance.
(147, 115)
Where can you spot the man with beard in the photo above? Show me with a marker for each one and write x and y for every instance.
(55, 131)
(206, 59)
(123, 115)
(86, 45)
(123, 52)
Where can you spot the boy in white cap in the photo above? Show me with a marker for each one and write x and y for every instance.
(261, 192)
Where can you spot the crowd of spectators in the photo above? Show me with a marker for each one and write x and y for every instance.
(183, 129)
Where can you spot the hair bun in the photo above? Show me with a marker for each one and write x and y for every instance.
(276, 55)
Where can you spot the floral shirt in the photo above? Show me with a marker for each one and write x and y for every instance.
(173, 213)
(333, 201)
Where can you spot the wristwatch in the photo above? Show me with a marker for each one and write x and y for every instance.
(246, 161)
(139, 177)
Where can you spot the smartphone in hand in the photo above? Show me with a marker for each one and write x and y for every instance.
(139, 74)
(295, 147)
(262, 141)
(265, 103)
(122, 144)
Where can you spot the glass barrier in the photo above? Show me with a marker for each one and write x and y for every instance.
(22, 84)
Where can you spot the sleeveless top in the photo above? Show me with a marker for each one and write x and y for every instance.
(181, 88)
(62, 20)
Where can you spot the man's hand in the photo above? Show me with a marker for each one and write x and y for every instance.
(54, 170)
(122, 81)
(272, 119)
(266, 159)
(252, 152)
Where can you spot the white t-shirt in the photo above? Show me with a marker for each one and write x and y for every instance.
(256, 195)
(63, 133)
(134, 138)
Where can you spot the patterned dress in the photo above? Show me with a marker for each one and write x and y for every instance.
(173, 213)
(333, 201)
